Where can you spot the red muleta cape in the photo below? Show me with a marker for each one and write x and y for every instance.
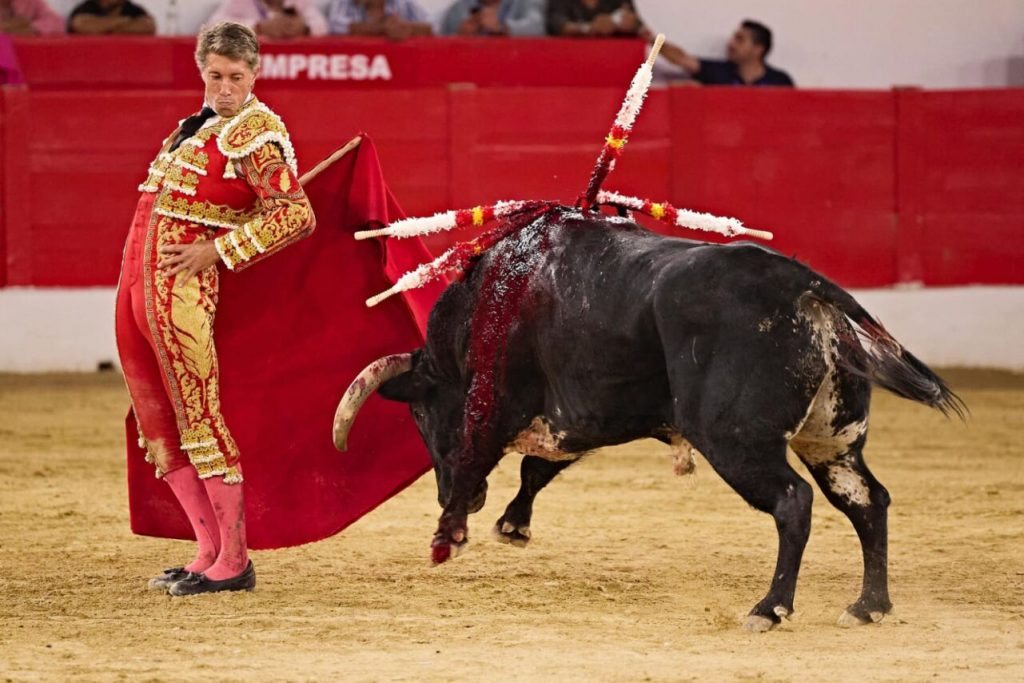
(291, 334)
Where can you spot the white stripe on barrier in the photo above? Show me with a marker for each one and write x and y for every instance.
(56, 329)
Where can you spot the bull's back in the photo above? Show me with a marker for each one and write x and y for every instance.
(610, 306)
(605, 280)
(646, 311)
(592, 329)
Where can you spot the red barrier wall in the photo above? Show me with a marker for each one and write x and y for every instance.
(118, 62)
(816, 168)
(960, 192)
(871, 188)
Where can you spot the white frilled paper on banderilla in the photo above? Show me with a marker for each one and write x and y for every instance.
(592, 198)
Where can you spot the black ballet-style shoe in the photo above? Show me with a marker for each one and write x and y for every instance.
(194, 584)
(168, 578)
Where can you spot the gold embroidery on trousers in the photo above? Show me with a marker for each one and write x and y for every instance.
(183, 328)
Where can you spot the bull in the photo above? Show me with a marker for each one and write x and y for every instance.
(591, 331)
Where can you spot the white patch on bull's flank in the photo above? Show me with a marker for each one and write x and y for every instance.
(803, 421)
(538, 440)
(765, 325)
(844, 482)
(683, 452)
(816, 440)
(819, 443)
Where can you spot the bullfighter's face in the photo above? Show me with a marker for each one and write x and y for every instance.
(229, 83)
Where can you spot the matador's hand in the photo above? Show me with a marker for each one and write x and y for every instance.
(187, 258)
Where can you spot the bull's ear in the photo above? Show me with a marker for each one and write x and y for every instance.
(408, 387)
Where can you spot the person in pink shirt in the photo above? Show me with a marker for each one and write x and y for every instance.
(283, 19)
(29, 18)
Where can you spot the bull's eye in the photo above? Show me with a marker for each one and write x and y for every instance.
(417, 413)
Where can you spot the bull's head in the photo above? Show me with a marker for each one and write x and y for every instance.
(437, 405)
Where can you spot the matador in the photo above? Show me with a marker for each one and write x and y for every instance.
(223, 192)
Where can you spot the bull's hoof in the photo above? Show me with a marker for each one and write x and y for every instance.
(443, 548)
(755, 623)
(507, 532)
(849, 620)
(760, 623)
(870, 610)
(782, 612)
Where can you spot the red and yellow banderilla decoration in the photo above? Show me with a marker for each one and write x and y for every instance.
(478, 216)
(682, 218)
(618, 136)
(458, 257)
(517, 214)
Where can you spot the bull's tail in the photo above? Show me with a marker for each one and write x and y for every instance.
(879, 357)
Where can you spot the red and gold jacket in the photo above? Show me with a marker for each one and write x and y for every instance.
(237, 176)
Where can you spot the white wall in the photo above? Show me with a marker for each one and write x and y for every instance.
(866, 44)
(822, 43)
(73, 329)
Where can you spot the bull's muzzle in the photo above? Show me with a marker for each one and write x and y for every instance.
(367, 382)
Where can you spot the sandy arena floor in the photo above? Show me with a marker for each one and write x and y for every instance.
(633, 574)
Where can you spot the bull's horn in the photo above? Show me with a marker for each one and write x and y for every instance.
(368, 381)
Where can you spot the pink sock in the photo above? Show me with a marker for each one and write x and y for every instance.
(229, 508)
(191, 495)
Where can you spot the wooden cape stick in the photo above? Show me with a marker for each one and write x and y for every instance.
(339, 153)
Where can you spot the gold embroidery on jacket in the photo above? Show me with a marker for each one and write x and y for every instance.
(192, 158)
(203, 212)
(184, 181)
(253, 128)
(285, 217)
(187, 156)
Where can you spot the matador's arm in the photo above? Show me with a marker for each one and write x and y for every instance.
(286, 214)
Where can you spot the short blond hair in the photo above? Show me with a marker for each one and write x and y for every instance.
(228, 39)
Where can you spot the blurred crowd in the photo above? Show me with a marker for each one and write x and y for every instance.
(745, 62)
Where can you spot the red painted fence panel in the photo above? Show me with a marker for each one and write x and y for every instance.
(86, 154)
(872, 188)
(961, 186)
(125, 62)
(814, 167)
(17, 186)
(409, 127)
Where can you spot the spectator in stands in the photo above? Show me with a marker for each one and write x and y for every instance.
(494, 18)
(282, 19)
(597, 18)
(29, 18)
(396, 19)
(95, 17)
(747, 50)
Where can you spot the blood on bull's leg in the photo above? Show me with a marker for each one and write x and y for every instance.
(535, 473)
(468, 477)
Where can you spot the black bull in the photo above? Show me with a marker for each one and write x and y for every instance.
(730, 350)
